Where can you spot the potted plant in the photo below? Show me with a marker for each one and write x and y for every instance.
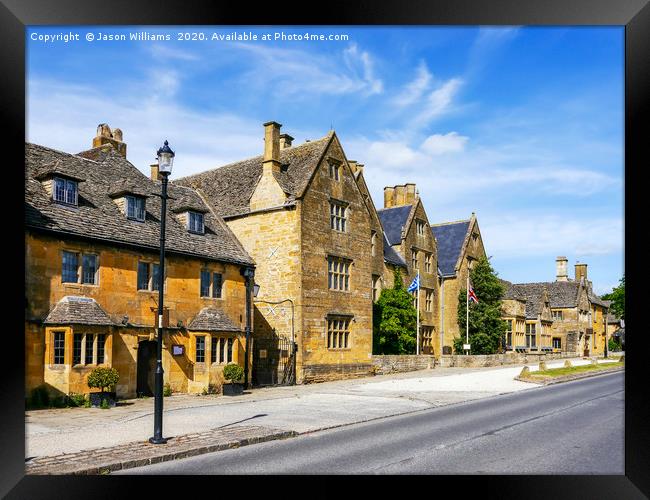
(103, 378)
(234, 373)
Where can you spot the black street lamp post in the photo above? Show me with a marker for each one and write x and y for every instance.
(165, 162)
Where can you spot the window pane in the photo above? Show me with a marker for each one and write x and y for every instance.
(70, 267)
(89, 349)
(155, 276)
(216, 285)
(229, 359)
(101, 343)
(76, 348)
(71, 192)
(214, 350)
(59, 348)
(143, 276)
(59, 190)
(205, 283)
(200, 349)
(89, 269)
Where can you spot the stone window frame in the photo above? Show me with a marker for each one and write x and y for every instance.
(198, 216)
(338, 273)
(132, 200)
(415, 261)
(557, 315)
(420, 228)
(221, 349)
(80, 267)
(198, 338)
(338, 332)
(58, 345)
(66, 183)
(334, 169)
(339, 215)
(428, 262)
(151, 283)
(426, 337)
(428, 300)
(559, 342)
(211, 281)
(82, 359)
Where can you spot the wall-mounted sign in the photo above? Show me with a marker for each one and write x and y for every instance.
(466, 347)
(178, 350)
(262, 353)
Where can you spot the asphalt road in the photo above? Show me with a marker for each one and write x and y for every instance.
(569, 428)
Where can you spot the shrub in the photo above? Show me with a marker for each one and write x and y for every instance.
(614, 344)
(233, 372)
(103, 378)
(104, 404)
(77, 399)
(167, 390)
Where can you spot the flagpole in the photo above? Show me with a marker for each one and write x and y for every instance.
(417, 321)
(467, 312)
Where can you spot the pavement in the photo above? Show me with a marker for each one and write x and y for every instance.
(52, 435)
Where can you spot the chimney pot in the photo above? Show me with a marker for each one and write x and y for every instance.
(155, 172)
(114, 138)
(285, 141)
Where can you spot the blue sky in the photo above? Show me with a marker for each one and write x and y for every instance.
(521, 125)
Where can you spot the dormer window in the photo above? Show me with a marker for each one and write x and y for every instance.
(65, 191)
(135, 208)
(195, 222)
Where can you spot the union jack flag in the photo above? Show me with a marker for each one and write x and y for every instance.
(471, 295)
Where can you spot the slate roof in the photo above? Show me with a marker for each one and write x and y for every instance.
(211, 319)
(72, 310)
(230, 187)
(560, 293)
(391, 256)
(97, 216)
(450, 238)
(595, 299)
(392, 220)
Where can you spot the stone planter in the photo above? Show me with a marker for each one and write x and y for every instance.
(96, 399)
(233, 389)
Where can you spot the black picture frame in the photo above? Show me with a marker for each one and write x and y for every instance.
(15, 15)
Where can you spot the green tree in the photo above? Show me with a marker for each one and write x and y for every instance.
(486, 328)
(617, 296)
(394, 320)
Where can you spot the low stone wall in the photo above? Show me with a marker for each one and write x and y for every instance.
(326, 372)
(394, 363)
(510, 358)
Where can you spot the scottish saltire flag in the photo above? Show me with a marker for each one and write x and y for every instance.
(472, 296)
(415, 284)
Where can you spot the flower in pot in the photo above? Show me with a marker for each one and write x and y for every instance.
(234, 373)
(103, 379)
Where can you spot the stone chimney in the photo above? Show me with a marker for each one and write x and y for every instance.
(400, 195)
(389, 196)
(353, 166)
(581, 272)
(106, 136)
(271, 162)
(360, 167)
(285, 141)
(411, 194)
(561, 273)
(155, 175)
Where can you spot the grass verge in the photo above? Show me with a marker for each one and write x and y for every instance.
(571, 370)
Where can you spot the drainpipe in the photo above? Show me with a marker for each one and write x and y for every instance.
(249, 274)
(442, 315)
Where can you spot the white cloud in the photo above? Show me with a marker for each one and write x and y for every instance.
(297, 73)
(414, 90)
(448, 143)
(437, 103)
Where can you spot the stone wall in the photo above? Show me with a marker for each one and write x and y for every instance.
(389, 363)
(478, 361)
